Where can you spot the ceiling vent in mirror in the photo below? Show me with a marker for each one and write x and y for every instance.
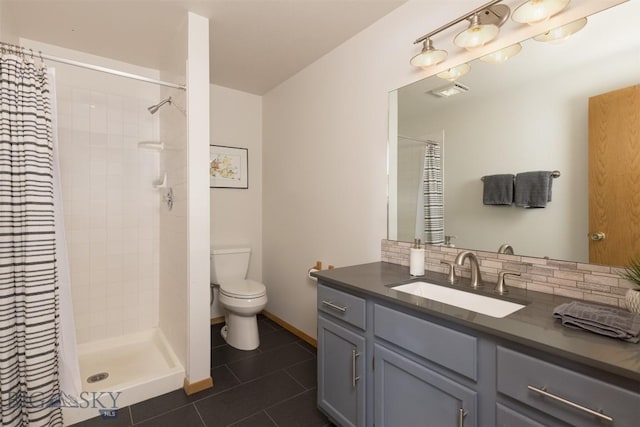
(449, 90)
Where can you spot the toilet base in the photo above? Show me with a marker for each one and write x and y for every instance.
(241, 332)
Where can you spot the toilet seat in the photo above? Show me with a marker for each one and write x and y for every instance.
(243, 288)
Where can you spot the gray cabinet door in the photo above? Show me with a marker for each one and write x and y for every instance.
(408, 394)
(341, 373)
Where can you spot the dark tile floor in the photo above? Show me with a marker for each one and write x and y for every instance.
(274, 385)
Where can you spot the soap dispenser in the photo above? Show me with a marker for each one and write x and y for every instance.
(448, 241)
(416, 259)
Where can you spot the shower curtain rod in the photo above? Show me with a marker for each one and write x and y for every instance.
(24, 51)
(424, 141)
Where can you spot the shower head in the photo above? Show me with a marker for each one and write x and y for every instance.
(154, 108)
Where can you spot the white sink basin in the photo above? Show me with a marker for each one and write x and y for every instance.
(480, 304)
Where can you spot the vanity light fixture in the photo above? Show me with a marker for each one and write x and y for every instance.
(534, 11)
(477, 35)
(560, 34)
(500, 56)
(484, 27)
(454, 73)
(429, 55)
(454, 88)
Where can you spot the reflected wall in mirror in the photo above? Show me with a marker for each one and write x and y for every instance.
(527, 114)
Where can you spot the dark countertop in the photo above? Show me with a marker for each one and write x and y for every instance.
(533, 325)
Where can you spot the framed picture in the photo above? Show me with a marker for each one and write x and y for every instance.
(228, 167)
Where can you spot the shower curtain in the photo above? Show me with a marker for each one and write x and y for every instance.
(29, 328)
(68, 365)
(430, 206)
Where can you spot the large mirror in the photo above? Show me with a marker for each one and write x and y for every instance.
(530, 113)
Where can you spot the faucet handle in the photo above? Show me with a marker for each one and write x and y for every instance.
(500, 287)
(451, 276)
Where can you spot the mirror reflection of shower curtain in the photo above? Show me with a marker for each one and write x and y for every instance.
(430, 205)
(68, 367)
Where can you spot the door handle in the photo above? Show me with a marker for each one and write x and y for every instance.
(543, 392)
(335, 306)
(461, 415)
(354, 378)
(597, 236)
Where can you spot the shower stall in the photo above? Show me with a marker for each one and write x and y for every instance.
(117, 159)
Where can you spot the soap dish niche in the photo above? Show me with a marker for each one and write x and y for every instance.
(151, 145)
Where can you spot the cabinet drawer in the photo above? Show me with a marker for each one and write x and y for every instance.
(506, 417)
(344, 306)
(571, 395)
(444, 346)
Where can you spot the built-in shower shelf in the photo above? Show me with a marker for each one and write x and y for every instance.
(151, 145)
(162, 183)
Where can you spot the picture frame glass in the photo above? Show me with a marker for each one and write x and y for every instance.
(228, 167)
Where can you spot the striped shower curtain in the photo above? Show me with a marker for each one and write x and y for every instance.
(29, 328)
(433, 196)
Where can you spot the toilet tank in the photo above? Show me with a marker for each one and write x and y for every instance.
(229, 263)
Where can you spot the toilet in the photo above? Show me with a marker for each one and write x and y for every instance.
(241, 298)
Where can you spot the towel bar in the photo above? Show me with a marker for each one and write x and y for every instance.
(554, 174)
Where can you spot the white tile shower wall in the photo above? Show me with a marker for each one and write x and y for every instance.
(111, 209)
(173, 223)
(589, 282)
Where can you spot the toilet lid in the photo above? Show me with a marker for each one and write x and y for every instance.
(243, 288)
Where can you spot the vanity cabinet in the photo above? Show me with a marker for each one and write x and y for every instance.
(381, 363)
(341, 357)
(507, 417)
(563, 394)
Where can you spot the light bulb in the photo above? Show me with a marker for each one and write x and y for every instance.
(560, 34)
(500, 56)
(429, 56)
(455, 73)
(533, 11)
(476, 35)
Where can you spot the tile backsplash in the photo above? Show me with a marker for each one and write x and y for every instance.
(589, 282)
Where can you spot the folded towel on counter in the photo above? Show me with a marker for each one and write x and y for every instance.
(533, 189)
(608, 321)
(498, 189)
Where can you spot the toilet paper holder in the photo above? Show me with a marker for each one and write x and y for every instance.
(315, 268)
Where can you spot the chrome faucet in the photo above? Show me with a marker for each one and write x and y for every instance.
(506, 248)
(473, 263)
(451, 276)
(500, 286)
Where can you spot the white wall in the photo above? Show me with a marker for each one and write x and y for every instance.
(236, 214)
(324, 141)
(8, 33)
(110, 206)
(198, 243)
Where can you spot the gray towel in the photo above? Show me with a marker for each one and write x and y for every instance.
(498, 189)
(533, 189)
(608, 321)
